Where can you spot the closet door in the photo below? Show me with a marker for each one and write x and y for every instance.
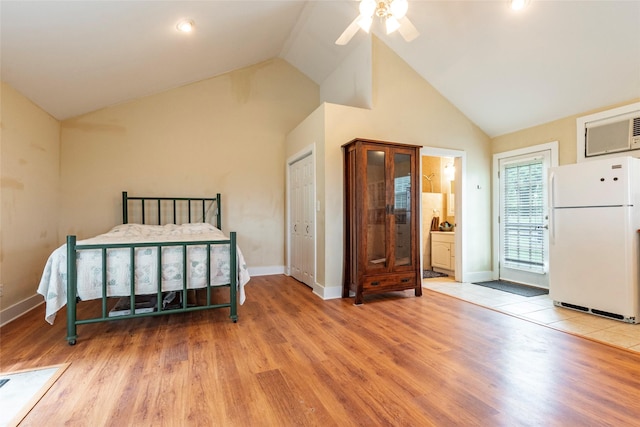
(308, 223)
(295, 176)
(302, 221)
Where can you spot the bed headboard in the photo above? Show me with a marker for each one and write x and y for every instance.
(167, 210)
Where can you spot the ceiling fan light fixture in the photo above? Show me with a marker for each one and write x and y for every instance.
(392, 24)
(365, 22)
(367, 7)
(399, 8)
(390, 12)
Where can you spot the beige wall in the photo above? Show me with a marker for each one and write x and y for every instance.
(225, 134)
(406, 109)
(29, 158)
(563, 131)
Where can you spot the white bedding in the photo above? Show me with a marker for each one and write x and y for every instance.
(53, 285)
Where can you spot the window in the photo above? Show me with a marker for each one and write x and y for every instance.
(523, 217)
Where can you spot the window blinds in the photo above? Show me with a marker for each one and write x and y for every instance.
(523, 216)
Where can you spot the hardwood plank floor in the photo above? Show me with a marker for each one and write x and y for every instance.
(293, 359)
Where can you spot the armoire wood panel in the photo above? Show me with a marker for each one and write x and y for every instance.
(381, 218)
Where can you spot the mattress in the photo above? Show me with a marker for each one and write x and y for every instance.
(53, 284)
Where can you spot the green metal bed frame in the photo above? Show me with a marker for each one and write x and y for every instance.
(177, 205)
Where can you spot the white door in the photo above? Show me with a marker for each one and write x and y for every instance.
(295, 177)
(302, 220)
(523, 218)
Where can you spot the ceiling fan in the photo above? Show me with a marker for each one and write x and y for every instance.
(391, 12)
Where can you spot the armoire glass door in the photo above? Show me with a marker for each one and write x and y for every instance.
(376, 209)
(402, 208)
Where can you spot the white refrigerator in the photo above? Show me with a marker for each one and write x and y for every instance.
(593, 237)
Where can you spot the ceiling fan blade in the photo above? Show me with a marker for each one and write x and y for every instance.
(348, 34)
(407, 30)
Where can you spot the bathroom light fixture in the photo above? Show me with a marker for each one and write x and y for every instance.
(185, 26)
(450, 172)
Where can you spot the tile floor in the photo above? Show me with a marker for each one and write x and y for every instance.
(541, 310)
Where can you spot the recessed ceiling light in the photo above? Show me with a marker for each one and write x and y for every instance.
(185, 26)
(518, 4)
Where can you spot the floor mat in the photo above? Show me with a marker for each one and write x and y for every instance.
(514, 288)
(430, 274)
(21, 391)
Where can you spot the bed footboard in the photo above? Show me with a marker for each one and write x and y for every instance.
(159, 309)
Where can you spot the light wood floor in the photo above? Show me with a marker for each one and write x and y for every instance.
(293, 359)
(540, 309)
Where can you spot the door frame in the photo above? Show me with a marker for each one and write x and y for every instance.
(306, 151)
(495, 191)
(460, 162)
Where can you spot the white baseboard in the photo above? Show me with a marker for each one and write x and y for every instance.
(266, 271)
(20, 308)
(477, 276)
(330, 292)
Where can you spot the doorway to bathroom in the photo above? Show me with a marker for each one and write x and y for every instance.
(441, 212)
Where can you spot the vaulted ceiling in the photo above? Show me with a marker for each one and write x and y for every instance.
(504, 70)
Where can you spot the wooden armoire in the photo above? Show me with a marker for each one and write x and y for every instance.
(381, 198)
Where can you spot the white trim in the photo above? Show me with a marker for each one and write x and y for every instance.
(460, 203)
(309, 150)
(20, 308)
(266, 270)
(581, 123)
(495, 191)
(326, 293)
(478, 276)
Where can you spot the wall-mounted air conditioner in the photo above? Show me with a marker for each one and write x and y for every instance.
(607, 136)
(610, 133)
